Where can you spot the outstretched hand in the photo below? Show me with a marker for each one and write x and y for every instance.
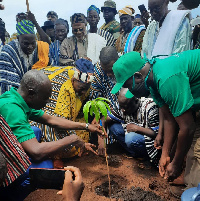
(72, 189)
(31, 17)
(97, 128)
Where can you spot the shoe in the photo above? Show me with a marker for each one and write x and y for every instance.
(176, 191)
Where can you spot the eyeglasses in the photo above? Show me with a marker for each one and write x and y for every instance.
(76, 30)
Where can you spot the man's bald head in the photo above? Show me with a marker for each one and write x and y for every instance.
(35, 79)
(108, 54)
(35, 88)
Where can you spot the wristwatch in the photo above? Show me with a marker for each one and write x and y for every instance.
(87, 126)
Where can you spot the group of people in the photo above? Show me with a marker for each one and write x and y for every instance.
(146, 66)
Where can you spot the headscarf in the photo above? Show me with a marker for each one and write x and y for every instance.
(84, 70)
(93, 7)
(25, 27)
(78, 18)
(128, 10)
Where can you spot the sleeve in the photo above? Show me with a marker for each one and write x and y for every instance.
(183, 37)
(18, 122)
(176, 93)
(35, 114)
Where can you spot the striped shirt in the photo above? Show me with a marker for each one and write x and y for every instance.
(17, 161)
(102, 86)
(108, 37)
(147, 117)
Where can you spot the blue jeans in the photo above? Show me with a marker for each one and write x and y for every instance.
(21, 188)
(132, 142)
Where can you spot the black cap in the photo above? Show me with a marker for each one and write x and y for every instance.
(48, 24)
(52, 13)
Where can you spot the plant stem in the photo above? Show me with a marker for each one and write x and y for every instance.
(107, 168)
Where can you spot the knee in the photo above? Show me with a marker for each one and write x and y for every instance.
(134, 140)
(116, 129)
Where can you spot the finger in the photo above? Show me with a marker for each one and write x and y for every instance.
(91, 145)
(59, 193)
(76, 171)
(90, 149)
(161, 171)
(68, 176)
(105, 133)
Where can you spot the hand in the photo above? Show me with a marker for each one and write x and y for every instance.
(101, 146)
(31, 17)
(132, 128)
(72, 189)
(172, 172)
(96, 128)
(163, 163)
(94, 121)
(88, 147)
(158, 142)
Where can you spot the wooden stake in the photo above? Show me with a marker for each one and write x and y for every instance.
(27, 4)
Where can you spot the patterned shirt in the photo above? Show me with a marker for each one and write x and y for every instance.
(147, 117)
(102, 86)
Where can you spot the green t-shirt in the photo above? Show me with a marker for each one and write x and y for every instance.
(177, 80)
(17, 114)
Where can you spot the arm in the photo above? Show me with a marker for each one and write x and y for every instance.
(186, 131)
(159, 138)
(169, 138)
(61, 123)
(39, 151)
(141, 130)
(43, 36)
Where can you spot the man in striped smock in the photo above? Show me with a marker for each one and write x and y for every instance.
(141, 123)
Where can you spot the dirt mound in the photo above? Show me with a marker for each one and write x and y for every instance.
(136, 194)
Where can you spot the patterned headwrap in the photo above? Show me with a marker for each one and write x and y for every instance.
(25, 27)
(84, 70)
(78, 18)
(128, 10)
(93, 7)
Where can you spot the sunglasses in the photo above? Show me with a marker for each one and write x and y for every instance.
(76, 30)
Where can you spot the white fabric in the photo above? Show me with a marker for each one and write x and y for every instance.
(168, 32)
(95, 45)
(173, 36)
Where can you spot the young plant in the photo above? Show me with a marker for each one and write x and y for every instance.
(97, 107)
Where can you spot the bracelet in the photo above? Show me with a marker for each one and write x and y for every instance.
(87, 126)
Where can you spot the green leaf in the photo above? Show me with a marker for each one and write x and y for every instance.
(102, 99)
(92, 108)
(108, 107)
(102, 108)
(96, 112)
(86, 110)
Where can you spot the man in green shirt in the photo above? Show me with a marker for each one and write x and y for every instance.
(18, 106)
(174, 84)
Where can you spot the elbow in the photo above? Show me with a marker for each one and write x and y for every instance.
(37, 155)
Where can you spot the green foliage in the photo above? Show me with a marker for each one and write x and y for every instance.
(96, 107)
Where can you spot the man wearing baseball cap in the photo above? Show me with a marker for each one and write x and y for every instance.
(174, 84)
(52, 16)
(109, 12)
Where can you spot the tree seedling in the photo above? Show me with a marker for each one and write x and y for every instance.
(97, 107)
